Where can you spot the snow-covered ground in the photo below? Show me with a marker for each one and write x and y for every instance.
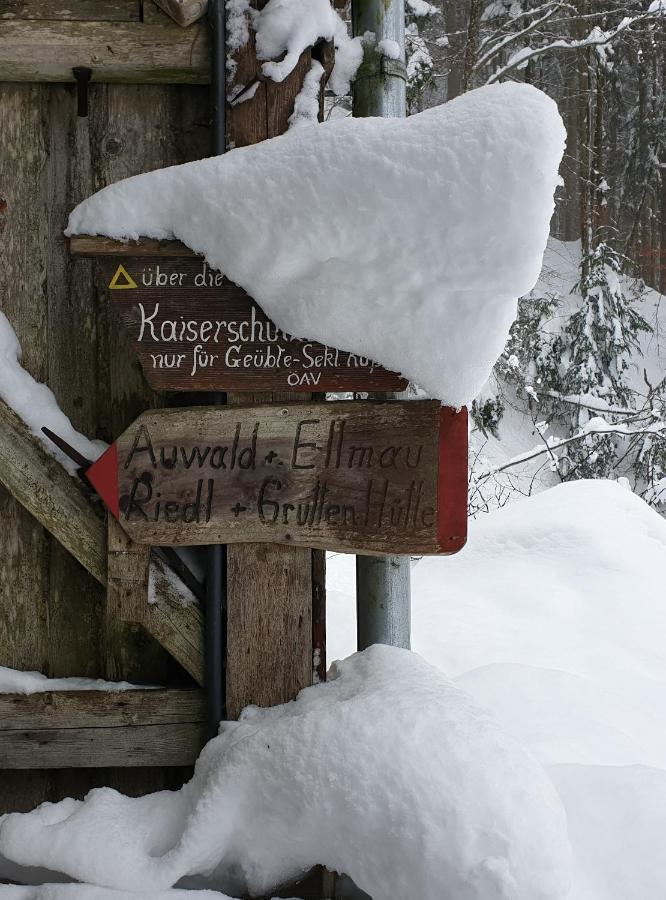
(553, 618)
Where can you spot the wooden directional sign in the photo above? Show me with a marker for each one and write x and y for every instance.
(371, 477)
(194, 330)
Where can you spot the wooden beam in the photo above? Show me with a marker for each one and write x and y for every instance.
(88, 729)
(99, 709)
(91, 246)
(53, 497)
(73, 10)
(92, 748)
(59, 503)
(127, 52)
(174, 618)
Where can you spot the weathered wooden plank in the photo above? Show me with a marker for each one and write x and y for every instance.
(99, 709)
(152, 745)
(126, 600)
(128, 568)
(134, 53)
(269, 631)
(93, 246)
(175, 623)
(76, 600)
(52, 496)
(73, 10)
(24, 571)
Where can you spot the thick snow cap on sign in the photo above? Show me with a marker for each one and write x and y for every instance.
(405, 240)
(387, 772)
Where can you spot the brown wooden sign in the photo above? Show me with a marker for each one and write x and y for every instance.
(354, 476)
(194, 330)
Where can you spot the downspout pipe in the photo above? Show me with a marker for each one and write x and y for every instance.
(383, 592)
(216, 576)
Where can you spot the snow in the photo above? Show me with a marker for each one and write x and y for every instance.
(306, 104)
(35, 402)
(552, 618)
(393, 238)
(432, 800)
(91, 892)
(285, 28)
(423, 8)
(14, 682)
(389, 48)
(289, 27)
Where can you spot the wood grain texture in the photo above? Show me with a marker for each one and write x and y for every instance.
(99, 709)
(47, 492)
(76, 600)
(132, 53)
(128, 572)
(24, 570)
(151, 745)
(73, 10)
(61, 729)
(175, 622)
(269, 653)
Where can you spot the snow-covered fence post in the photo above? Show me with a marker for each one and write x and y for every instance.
(383, 599)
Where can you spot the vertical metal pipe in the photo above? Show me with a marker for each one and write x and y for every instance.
(383, 596)
(380, 85)
(216, 578)
(218, 79)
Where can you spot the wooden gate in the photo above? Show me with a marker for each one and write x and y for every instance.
(147, 108)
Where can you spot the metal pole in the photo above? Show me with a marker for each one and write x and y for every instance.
(216, 587)
(383, 597)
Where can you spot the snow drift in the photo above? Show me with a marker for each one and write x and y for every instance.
(387, 772)
(553, 619)
(405, 240)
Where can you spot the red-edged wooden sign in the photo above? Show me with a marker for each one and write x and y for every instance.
(194, 330)
(358, 476)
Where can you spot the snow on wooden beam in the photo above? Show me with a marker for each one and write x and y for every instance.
(123, 52)
(83, 729)
(60, 505)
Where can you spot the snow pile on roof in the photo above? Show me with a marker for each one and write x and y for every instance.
(13, 681)
(553, 618)
(404, 240)
(35, 402)
(387, 772)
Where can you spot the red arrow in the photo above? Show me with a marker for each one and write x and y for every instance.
(103, 476)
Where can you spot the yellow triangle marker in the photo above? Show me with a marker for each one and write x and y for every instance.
(129, 282)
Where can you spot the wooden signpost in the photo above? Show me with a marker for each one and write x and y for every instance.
(194, 330)
(364, 476)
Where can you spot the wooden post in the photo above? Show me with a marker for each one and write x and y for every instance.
(270, 588)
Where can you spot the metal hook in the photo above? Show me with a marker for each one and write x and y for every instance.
(82, 75)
